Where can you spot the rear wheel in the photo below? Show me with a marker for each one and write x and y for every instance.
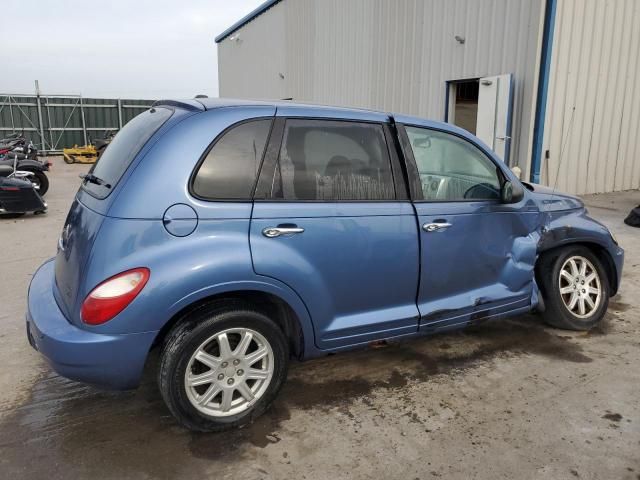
(575, 288)
(222, 367)
(39, 181)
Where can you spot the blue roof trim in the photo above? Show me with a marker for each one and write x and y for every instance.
(246, 19)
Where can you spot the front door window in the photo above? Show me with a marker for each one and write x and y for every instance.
(452, 169)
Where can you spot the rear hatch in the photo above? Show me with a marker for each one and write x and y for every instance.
(92, 202)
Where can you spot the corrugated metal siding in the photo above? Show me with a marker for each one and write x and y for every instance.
(390, 55)
(252, 58)
(593, 111)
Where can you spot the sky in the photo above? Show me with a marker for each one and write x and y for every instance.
(115, 48)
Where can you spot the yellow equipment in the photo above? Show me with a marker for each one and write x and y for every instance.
(83, 154)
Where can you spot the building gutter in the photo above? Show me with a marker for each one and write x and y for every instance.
(246, 19)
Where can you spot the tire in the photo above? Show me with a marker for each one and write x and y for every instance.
(69, 159)
(557, 312)
(40, 179)
(202, 329)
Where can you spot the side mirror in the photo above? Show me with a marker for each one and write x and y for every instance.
(511, 192)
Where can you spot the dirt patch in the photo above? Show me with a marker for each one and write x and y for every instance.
(614, 417)
(618, 307)
(605, 327)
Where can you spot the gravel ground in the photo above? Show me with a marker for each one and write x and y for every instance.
(510, 399)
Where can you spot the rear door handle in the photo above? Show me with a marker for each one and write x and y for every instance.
(273, 232)
(435, 227)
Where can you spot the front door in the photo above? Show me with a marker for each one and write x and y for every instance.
(477, 253)
(333, 228)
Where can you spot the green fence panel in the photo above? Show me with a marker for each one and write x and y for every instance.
(54, 122)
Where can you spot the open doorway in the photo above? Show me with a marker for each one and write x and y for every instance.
(463, 104)
(482, 106)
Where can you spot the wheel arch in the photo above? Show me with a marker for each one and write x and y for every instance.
(598, 250)
(294, 324)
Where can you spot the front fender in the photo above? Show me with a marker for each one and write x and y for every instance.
(576, 226)
(572, 226)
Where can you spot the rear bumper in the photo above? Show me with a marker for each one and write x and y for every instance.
(108, 361)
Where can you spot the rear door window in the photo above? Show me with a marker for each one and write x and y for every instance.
(332, 161)
(229, 170)
(117, 157)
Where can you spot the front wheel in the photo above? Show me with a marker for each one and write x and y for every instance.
(575, 287)
(222, 367)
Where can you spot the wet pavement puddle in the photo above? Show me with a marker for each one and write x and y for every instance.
(80, 429)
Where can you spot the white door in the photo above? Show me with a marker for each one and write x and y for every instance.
(493, 125)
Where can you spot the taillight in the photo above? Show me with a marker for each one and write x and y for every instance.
(113, 295)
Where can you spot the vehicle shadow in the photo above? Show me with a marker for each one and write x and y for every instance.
(75, 428)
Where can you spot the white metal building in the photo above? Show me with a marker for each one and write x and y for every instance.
(550, 85)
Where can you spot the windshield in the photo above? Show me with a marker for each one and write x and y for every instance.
(122, 150)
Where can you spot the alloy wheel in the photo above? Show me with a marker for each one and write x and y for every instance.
(580, 286)
(229, 372)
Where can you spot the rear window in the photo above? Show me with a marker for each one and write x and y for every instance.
(123, 148)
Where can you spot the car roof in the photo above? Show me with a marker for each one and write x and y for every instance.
(286, 107)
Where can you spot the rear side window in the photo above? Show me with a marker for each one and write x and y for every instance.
(332, 161)
(123, 148)
(230, 168)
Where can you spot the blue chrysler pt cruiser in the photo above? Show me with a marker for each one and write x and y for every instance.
(234, 236)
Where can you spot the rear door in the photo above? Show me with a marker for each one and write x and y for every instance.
(477, 253)
(332, 220)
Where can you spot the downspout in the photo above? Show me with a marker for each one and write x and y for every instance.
(543, 87)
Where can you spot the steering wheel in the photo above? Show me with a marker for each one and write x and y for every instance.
(482, 191)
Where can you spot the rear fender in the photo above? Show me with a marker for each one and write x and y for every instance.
(32, 165)
(213, 260)
(263, 285)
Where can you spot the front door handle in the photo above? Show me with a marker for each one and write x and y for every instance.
(273, 232)
(435, 227)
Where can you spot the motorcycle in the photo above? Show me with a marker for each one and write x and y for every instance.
(29, 151)
(35, 168)
(17, 194)
(17, 143)
(8, 145)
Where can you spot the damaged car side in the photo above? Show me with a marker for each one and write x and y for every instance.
(236, 235)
